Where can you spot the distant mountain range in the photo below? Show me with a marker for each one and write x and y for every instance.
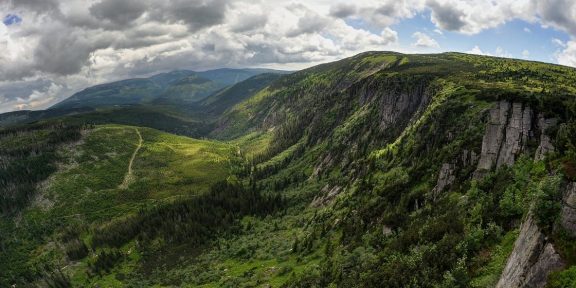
(179, 87)
(179, 96)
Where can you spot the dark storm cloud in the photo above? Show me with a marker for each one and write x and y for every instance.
(21, 89)
(308, 24)
(66, 53)
(560, 13)
(388, 9)
(343, 10)
(40, 6)
(446, 16)
(118, 12)
(249, 23)
(196, 14)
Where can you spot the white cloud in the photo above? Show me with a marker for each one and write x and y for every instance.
(498, 52)
(525, 54)
(558, 42)
(471, 17)
(527, 30)
(568, 55)
(36, 100)
(476, 50)
(424, 41)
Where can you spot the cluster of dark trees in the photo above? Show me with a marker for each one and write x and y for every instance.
(104, 261)
(76, 249)
(194, 221)
(516, 74)
(25, 161)
(286, 181)
(265, 171)
(57, 279)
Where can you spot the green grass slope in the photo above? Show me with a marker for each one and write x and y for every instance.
(87, 186)
(226, 98)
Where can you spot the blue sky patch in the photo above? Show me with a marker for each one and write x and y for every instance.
(11, 19)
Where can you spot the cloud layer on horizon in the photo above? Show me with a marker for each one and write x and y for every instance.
(54, 47)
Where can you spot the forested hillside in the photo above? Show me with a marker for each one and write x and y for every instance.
(380, 170)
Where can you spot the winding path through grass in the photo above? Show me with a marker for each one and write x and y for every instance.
(129, 175)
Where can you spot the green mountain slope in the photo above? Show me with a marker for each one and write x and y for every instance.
(228, 76)
(126, 92)
(188, 90)
(180, 87)
(174, 101)
(383, 169)
(224, 99)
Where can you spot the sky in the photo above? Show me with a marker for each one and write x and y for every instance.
(50, 49)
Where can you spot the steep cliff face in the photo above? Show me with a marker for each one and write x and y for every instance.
(545, 145)
(534, 256)
(568, 214)
(507, 133)
(396, 99)
(532, 259)
(445, 178)
(509, 129)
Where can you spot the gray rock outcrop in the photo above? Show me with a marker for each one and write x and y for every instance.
(545, 145)
(507, 133)
(568, 214)
(327, 194)
(396, 104)
(445, 178)
(532, 259)
(492, 140)
(469, 157)
(516, 135)
(548, 261)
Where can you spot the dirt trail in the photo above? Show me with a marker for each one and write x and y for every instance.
(129, 175)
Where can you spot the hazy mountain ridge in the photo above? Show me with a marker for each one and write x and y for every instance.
(174, 88)
(443, 170)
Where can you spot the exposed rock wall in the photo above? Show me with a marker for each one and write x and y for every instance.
(568, 214)
(327, 194)
(492, 140)
(532, 260)
(397, 101)
(517, 132)
(548, 261)
(445, 178)
(510, 126)
(507, 133)
(545, 145)
(469, 157)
